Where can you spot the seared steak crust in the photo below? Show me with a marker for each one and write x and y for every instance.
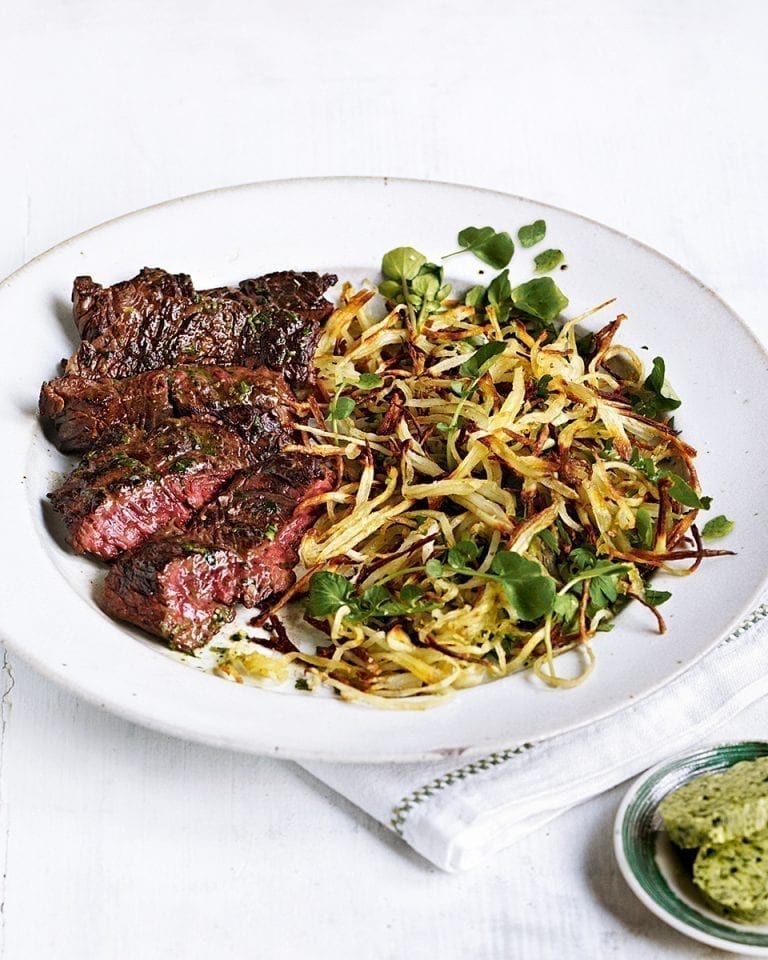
(136, 483)
(241, 547)
(152, 292)
(257, 403)
(158, 320)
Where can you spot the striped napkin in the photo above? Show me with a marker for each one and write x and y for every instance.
(458, 816)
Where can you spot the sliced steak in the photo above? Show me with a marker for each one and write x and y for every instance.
(136, 483)
(257, 403)
(158, 320)
(241, 547)
(152, 293)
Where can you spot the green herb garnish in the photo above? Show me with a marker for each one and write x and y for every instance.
(473, 369)
(493, 248)
(548, 260)
(532, 233)
(402, 263)
(655, 398)
(410, 280)
(717, 527)
(644, 528)
(341, 407)
(541, 298)
(329, 592)
(656, 597)
(685, 494)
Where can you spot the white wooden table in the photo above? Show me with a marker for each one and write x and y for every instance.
(117, 842)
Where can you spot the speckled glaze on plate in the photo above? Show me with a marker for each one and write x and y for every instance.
(656, 870)
(48, 596)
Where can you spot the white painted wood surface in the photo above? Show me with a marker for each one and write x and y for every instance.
(650, 116)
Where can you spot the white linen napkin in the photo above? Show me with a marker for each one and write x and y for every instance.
(457, 816)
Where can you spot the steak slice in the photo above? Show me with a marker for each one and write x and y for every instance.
(136, 483)
(241, 547)
(158, 320)
(152, 292)
(257, 403)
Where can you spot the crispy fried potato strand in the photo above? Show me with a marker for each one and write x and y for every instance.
(543, 455)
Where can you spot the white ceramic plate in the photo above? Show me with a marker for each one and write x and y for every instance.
(49, 615)
(658, 872)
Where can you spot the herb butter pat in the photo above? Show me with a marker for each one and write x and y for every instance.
(733, 877)
(719, 807)
(725, 815)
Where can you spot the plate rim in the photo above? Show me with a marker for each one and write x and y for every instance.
(708, 753)
(414, 754)
(386, 180)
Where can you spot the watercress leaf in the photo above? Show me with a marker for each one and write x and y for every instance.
(655, 398)
(375, 596)
(471, 237)
(402, 263)
(391, 289)
(581, 558)
(411, 592)
(444, 292)
(369, 381)
(644, 464)
(644, 527)
(474, 296)
(445, 427)
(468, 548)
(432, 269)
(481, 359)
(542, 386)
(603, 568)
(531, 597)
(502, 311)
(532, 233)
(541, 298)
(603, 591)
(457, 387)
(499, 289)
(685, 494)
(596, 596)
(565, 607)
(493, 248)
(340, 408)
(496, 251)
(609, 451)
(327, 592)
(655, 379)
(462, 553)
(393, 608)
(547, 537)
(657, 597)
(433, 568)
(657, 383)
(548, 260)
(717, 527)
(426, 285)
(506, 563)
(584, 345)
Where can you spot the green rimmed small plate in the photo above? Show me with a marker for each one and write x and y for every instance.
(657, 872)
